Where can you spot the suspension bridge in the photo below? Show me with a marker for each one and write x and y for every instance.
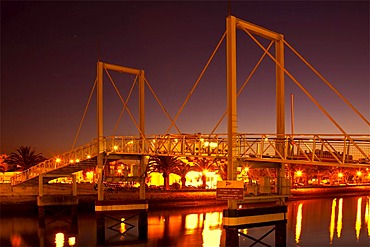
(271, 150)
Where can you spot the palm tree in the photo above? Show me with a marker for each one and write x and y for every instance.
(24, 158)
(164, 165)
(181, 170)
(221, 165)
(203, 165)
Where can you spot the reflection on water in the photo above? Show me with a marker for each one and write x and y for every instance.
(59, 239)
(358, 218)
(212, 229)
(307, 226)
(367, 216)
(332, 219)
(340, 218)
(298, 227)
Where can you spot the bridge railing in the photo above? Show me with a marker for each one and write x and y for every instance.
(177, 145)
(309, 147)
(325, 148)
(76, 155)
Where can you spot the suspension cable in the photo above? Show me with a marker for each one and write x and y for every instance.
(306, 92)
(84, 114)
(123, 108)
(123, 102)
(244, 84)
(161, 105)
(196, 83)
(328, 83)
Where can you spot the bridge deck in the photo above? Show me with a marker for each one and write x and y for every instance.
(264, 150)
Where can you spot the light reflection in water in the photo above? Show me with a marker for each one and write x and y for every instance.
(340, 218)
(358, 218)
(367, 216)
(59, 239)
(72, 241)
(298, 226)
(122, 228)
(207, 227)
(332, 219)
(191, 222)
(212, 229)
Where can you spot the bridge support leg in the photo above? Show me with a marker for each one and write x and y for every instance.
(74, 185)
(143, 225)
(41, 185)
(280, 233)
(232, 238)
(41, 216)
(143, 162)
(100, 228)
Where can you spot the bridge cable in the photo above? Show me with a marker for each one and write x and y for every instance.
(197, 81)
(84, 114)
(328, 83)
(123, 102)
(161, 105)
(244, 84)
(123, 108)
(306, 92)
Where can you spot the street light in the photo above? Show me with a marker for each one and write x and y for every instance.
(340, 175)
(299, 173)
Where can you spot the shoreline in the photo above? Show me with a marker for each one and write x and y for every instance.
(173, 199)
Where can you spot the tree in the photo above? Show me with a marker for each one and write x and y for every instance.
(24, 158)
(181, 170)
(203, 165)
(222, 168)
(164, 165)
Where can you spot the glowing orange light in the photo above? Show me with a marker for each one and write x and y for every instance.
(340, 218)
(298, 227)
(299, 173)
(72, 241)
(332, 219)
(59, 239)
(358, 218)
(359, 173)
(115, 148)
(58, 160)
(340, 175)
(88, 156)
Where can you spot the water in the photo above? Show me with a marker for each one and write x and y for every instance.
(319, 222)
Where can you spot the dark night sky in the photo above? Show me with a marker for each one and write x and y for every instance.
(49, 52)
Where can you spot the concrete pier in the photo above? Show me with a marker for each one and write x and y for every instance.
(235, 219)
(127, 208)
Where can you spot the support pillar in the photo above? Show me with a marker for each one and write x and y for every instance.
(143, 225)
(231, 101)
(143, 163)
(232, 237)
(100, 158)
(41, 185)
(100, 229)
(280, 233)
(74, 185)
(41, 213)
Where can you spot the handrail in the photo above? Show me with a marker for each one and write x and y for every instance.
(314, 148)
